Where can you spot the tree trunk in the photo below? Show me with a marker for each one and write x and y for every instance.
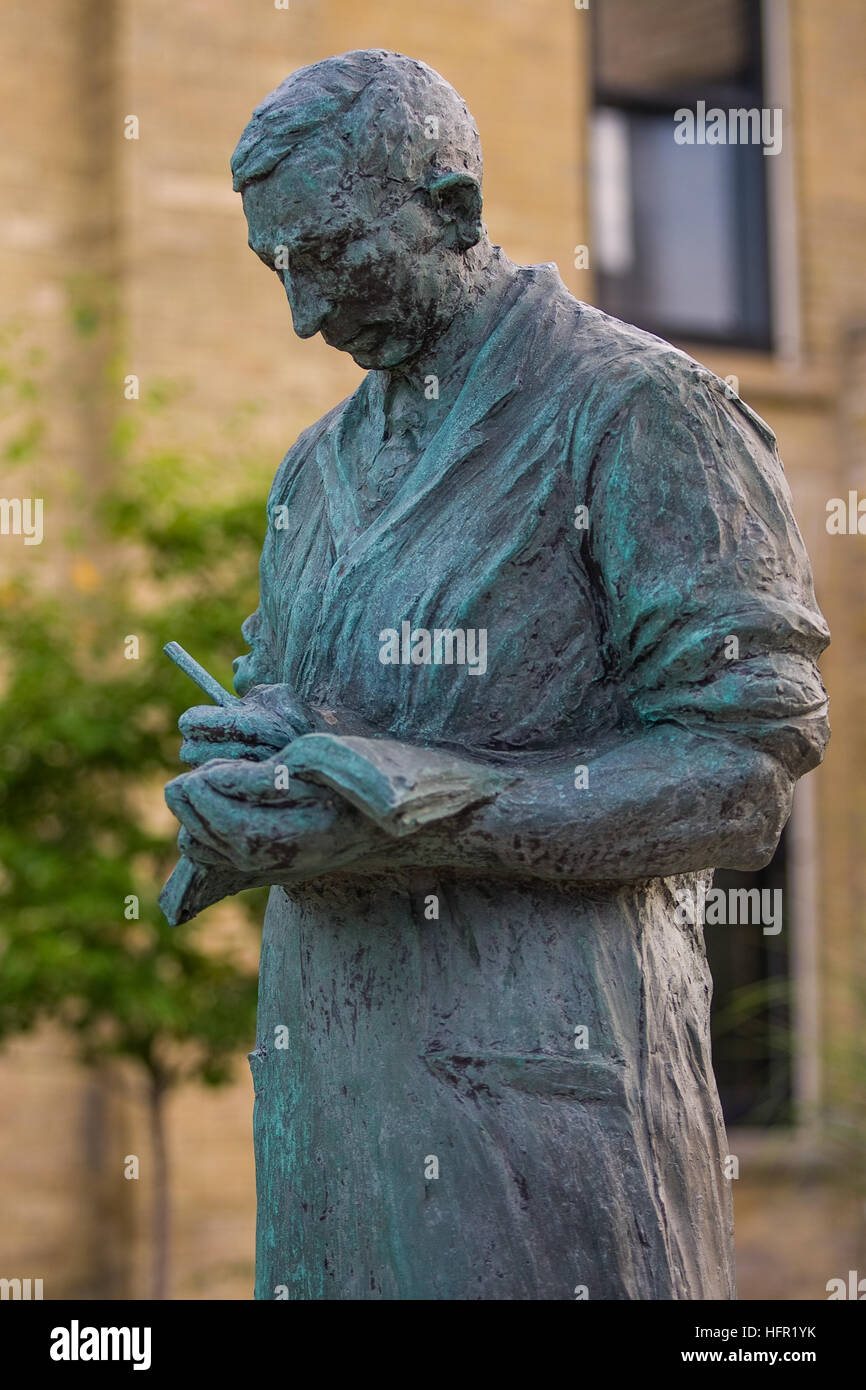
(110, 1213)
(161, 1205)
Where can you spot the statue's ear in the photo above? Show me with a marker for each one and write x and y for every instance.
(457, 199)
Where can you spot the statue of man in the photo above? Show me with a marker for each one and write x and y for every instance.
(534, 653)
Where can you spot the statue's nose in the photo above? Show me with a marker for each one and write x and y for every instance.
(309, 308)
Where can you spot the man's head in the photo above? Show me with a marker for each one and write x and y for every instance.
(361, 184)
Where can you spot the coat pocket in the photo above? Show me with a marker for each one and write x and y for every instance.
(542, 1074)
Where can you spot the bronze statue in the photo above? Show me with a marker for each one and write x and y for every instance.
(493, 734)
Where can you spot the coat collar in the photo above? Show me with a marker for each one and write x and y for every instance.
(496, 373)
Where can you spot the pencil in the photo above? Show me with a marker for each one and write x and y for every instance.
(203, 679)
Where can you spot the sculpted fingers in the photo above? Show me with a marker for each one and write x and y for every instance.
(265, 783)
(264, 822)
(216, 731)
(198, 852)
(207, 721)
(236, 811)
(196, 752)
(182, 805)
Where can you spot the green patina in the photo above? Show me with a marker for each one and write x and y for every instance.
(446, 908)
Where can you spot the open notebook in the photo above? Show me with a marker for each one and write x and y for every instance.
(400, 787)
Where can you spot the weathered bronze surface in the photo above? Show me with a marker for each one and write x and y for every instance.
(483, 1066)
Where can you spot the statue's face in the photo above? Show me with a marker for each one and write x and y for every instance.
(373, 282)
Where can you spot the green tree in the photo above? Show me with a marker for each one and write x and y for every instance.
(88, 714)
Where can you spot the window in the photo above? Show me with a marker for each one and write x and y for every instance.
(753, 1038)
(679, 230)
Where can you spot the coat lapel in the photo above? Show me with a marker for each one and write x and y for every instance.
(495, 374)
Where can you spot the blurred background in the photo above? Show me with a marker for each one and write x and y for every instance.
(150, 383)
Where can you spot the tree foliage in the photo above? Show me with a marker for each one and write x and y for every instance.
(88, 735)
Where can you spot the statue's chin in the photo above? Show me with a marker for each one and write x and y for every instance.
(382, 358)
(374, 347)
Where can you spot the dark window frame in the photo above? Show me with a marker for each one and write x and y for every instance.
(747, 91)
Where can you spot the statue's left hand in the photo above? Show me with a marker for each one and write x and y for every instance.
(267, 719)
(238, 813)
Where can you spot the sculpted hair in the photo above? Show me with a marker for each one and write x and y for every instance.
(397, 119)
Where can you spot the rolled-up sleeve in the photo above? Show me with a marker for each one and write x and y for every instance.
(708, 609)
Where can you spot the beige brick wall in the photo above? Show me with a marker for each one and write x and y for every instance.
(200, 307)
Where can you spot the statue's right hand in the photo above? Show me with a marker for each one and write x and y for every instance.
(266, 720)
